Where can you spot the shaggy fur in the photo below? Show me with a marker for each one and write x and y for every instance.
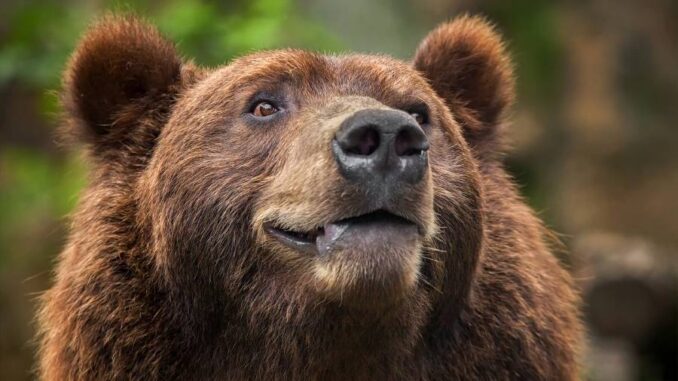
(169, 274)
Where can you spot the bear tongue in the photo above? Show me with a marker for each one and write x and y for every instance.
(332, 232)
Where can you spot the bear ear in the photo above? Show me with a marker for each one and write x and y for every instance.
(122, 70)
(466, 63)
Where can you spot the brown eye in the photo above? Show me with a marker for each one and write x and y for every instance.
(419, 117)
(263, 109)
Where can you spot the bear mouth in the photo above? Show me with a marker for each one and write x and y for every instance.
(361, 232)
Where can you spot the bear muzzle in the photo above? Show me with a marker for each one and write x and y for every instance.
(382, 154)
(353, 202)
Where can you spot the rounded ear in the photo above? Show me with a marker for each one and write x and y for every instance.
(466, 63)
(122, 70)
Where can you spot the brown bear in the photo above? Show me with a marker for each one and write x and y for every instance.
(298, 216)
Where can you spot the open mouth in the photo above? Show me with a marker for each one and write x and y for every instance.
(355, 232)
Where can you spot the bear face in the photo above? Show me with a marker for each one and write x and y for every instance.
(297, 215)
(283, 175)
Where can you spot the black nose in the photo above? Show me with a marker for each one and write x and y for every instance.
(381, 146)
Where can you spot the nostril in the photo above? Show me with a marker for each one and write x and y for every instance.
(410, 141)
(363, 141)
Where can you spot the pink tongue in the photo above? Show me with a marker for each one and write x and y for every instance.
(332, 234)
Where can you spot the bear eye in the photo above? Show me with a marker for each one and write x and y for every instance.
(263, 109)
(419, 111)
(421, 118)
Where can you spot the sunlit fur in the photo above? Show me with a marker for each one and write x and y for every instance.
(169, 274)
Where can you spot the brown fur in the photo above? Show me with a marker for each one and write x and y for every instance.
(168, 273)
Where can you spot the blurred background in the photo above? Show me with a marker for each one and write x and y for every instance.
(594, 132)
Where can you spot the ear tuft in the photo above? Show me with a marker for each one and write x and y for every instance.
(121, 68)
(467, 65)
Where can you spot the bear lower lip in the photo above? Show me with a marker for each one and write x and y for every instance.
(372, 230)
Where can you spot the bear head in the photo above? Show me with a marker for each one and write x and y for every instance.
(291, 187)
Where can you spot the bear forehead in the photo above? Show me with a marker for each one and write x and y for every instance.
(310, 73)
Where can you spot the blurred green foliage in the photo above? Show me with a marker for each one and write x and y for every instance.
(35, 189)
(41, 34)
(37, 40)
(534, 44)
